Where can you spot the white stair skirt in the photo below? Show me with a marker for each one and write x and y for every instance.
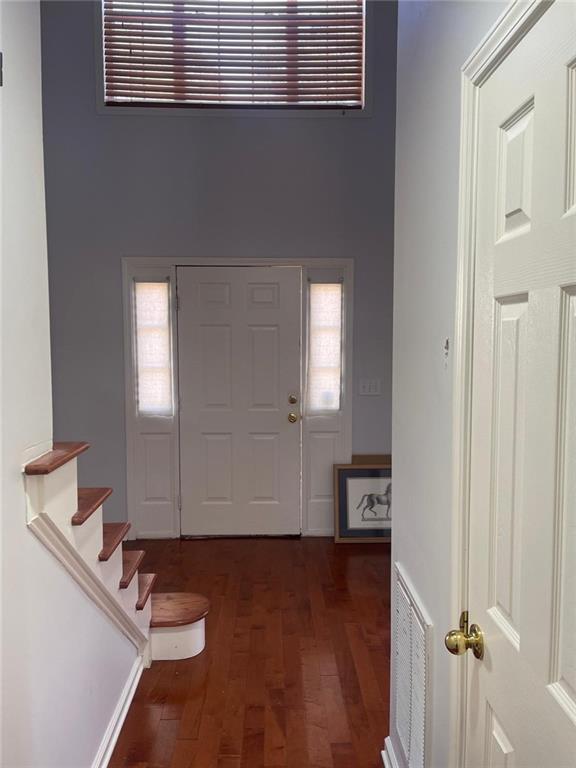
(52, 500)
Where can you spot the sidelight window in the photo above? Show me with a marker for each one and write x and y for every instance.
(154, 379)
(324, 381)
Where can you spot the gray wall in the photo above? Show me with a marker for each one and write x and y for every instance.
(173, 185)
(434, 40)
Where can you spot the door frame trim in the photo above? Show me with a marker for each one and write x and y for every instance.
(148, 266)
(516, 21)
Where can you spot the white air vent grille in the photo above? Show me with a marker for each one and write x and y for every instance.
(410, 670)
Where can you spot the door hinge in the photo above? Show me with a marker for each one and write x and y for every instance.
(177, 301)
(179, 502)
(1, 68)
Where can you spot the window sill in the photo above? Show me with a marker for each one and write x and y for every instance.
(250, 113)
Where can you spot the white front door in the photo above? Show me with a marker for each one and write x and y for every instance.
(239, 342)
(521, 708)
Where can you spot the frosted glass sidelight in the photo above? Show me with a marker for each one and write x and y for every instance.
(153, 349)
(325, 348)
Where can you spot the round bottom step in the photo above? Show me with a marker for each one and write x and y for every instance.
(177, 627)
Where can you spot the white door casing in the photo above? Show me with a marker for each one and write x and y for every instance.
(239, 349)
(515, 422)
(153, 472)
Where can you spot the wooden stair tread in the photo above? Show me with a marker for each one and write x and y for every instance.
(89, 499)
(131, 560)
(60, 454)
(174, 609)
(146, 582)
(113, 535)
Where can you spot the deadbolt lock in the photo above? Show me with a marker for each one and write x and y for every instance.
(292, 399)
(292, 418)
(458, 641)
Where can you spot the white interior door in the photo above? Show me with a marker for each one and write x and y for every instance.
(522, 567)
(239, 342)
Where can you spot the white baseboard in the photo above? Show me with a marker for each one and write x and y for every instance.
(153, 534)
(318, 532)
(118, 716)
(389, 756)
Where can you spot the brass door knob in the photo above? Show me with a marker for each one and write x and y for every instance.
(292, 418)
(458, 641)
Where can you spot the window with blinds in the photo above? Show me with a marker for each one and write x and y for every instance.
(234, 53)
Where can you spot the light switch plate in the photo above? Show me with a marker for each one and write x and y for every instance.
(370, 387)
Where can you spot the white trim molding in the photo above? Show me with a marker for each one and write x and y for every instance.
(118, 716)
(54, 540)
(389, 758)
(313, 521)
(516, 21)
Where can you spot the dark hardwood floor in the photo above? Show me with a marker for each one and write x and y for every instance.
(295, 671)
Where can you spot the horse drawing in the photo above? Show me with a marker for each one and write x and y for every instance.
(370, 500)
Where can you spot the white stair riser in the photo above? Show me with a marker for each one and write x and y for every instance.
(110, 572)
(144, 616)
(129, 597)
(55, 495)
(172, 643)
(88, 538)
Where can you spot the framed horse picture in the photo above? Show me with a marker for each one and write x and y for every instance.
(362, 502)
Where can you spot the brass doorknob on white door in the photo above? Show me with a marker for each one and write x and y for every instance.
(458, 641)
(292, 418)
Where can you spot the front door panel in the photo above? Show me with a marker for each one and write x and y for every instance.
(239, 361)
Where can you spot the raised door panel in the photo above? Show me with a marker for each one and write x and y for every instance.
(264, 468)
(215, 371)
(516, 171)
(216, 480)
(157, 467)
(263, 295)
(264, 367)
(322, 454)
(570, 203)
(508, 465)
(499, 752)
(215, 295)
(563, 684)
(155, 482)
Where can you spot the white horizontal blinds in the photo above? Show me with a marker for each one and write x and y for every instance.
(154, 390)
(297, 53)
(324, 348)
